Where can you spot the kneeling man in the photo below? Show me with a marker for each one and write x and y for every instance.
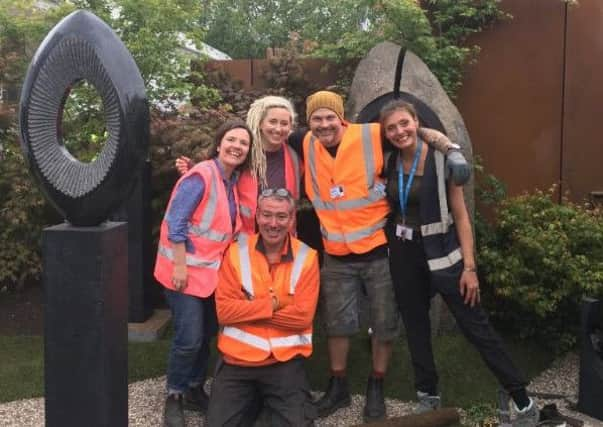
(265, 301)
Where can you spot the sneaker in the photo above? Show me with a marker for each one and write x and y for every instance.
(374, 406)
(337, 396)
(195, 399)
(427, 403)
(173, 414)
(527, 417)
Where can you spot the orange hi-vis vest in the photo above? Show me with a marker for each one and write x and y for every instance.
(254, 342)
(210, 232)
(347, 191)
(248, 188)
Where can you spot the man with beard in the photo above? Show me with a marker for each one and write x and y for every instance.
(343, 166)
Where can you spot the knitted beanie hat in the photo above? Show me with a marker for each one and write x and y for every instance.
(324, 99)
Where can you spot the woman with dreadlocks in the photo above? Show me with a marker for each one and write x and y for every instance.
(274, 163)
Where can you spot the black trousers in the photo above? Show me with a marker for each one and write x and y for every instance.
(414, 285)
(281, 389)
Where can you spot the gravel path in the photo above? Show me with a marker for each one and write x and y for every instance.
(146, 402)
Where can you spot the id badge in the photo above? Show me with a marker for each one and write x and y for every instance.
(403, 232)
(336, 192)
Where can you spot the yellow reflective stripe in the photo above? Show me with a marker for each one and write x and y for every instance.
(298, 264)
(191, 260)
(291, 341)
(436, 227)
(445, 261)
(354, 235)
(246, 337)
(245, 261)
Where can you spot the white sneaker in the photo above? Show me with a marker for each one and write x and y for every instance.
(528, 416)
(427, 403)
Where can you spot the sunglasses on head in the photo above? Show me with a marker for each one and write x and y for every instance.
(280, 192)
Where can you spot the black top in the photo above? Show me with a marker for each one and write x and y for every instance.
(275, 168)
(413, 218)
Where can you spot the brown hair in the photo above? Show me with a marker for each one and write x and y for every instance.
(227, 126)
(390, 108)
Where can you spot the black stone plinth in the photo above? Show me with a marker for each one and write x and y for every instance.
(591, 359)
(85, 277)
(136, 210)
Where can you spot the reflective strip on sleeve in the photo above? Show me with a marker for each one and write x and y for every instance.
(246, 338)
(445, 261)
(436, 227)
(353, 236)
(291, 340)
(191, 260)
(298, 265)
(245, 261)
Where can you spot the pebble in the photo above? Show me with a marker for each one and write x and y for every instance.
(146, 402)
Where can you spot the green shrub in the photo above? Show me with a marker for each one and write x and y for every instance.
(23, 215)
(539, 259)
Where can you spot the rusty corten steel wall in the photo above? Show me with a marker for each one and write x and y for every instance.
(250, 72)
(511, 99)
(582, 151)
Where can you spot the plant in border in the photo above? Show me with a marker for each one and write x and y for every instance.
(540, 260)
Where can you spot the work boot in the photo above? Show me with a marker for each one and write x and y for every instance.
(195, 399)
(173, 414)
(427, 403)
(337, 396)
(528, 416)
(374, 404)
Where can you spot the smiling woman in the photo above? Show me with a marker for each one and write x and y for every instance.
(194, 234)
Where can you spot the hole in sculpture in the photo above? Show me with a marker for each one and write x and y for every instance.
(83, 132)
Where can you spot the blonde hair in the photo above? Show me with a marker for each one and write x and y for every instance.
(257, 112)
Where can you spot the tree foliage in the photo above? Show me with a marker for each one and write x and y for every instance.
(344, 31)
(154, 32)
(245, 28)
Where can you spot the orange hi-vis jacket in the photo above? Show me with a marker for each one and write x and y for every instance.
(210, 232)
(248, 188)
(251, 334)
(347, 191)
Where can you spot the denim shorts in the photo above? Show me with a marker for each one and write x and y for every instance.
(341, 285)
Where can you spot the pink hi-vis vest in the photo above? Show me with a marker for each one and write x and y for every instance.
(210, 231)
(248, 188)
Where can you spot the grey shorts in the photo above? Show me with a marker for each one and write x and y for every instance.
(341, 285)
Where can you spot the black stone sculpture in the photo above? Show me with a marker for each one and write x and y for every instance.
(85, 272)
(82, 47)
